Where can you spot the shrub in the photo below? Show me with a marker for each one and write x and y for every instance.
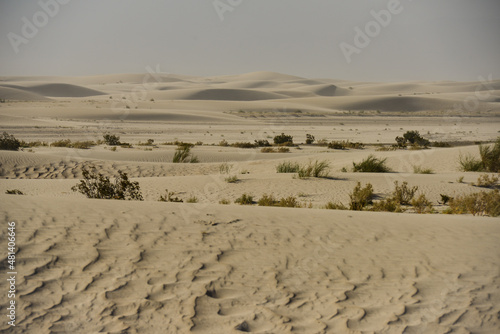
(223, 143)
(420, 170)
(283, 150)
(61, 143)
(149, 142)
(371, 165)
(414, 137)
(469, 164)
(225, 168)
(283, 139)
(169, 197)
(309, 139)
(287, 167)
(335, 206)
(9, 142)
(481, 204)
(441, 144)
(316, 169)
(231, 179)
(262, 143)
(267, 150)
(111, 140)
(33, 144)
(387, 205)
(243, 145)
(490, 157)
(342, 145)
(183, 155)
(422, 205)
(98, 186)
(487, 181)
(224, 201)
(267, 200)
(289, 202)
(403, 194)
(445, 199)
(361, 197)
(192, 199)
(244, 200)
(14, 192)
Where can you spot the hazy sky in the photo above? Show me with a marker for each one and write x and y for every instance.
(420, 40)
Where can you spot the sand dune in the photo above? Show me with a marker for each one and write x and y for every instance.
(105, 266)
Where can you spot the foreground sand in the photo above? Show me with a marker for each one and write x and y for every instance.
(101, 266)
(89, 266)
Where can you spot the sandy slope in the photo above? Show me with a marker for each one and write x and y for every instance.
(89, 266)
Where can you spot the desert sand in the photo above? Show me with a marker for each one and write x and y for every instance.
(107, 266)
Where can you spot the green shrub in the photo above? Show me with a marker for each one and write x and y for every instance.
(420, 170)
(371, 165)
(61, 143)
(342, 145)
(316, 169)
(267, 200)
(309, 139)
(262, 143)
(387, 205)
(287, 167)
(283, 139)
(98, 186)
(231, 179)
(335, 206)
(487, 181)
(33, 144)
(14, 192)
(414, 137)
(283, 150)
(223, 143)
(289, 202)
(111, 140)
(403, 194)
(183, 155)
(267, 150)
(9, 142)
(469, 164)
(244, 200)
(490, 157)
(481, 204)
(361, 197)
(422, 205)
(192, 199)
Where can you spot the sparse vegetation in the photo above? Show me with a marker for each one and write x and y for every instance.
(412, 138)
(485, 203)
(224, 201)
(316, 169)
(183, 155)
(77, 144)
(489, 159)
(111, 140)
(361, 197)
(244, 200)
(96, 185)
(262, 143)
(387, 205)
(445, 199)
(169, 197)
(371, 165)
(287, 202)
(469, 164)
(192, 199)
(14, 192)
(267, 150)
(309, 139)
(487, 181)
(287, 167)
(421, 170)
(342, 145)
(225, 168)
(283, 139)
(9, 142)
(232, 179)
(403, 194)
(422, 205)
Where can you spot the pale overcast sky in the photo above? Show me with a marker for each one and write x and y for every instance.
(424, 40)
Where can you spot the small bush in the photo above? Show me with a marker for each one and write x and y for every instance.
(169, 197)
(231, 179)
(111, 140)
(244, 200)
(487, 181)
(287, 167)
(98, 186)
(342, 145)
(283, 150)
(414, 137)
(84, 145)
(33, 144)
(309, 139)
(403, 194)
(420, 170)
(283, 139)
(61, 143)
(445, 199)
(14, 192)
(422, 205)
(9, 142)
(481, 204)
(225, 168)
(335, 206)
(192, 199)
(262, 143)
(490, 157)
(224, 201)
(223, 143)
(267, 200)
(243, 145)
(440, 144)
(149, 142)
(289, 202)
(267, 150)
(371, 165)
(183, 155)
(387, 205)
(469, 164)
(361, 197)
(316, 169)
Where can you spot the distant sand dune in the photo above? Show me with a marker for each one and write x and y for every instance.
(58, 90)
